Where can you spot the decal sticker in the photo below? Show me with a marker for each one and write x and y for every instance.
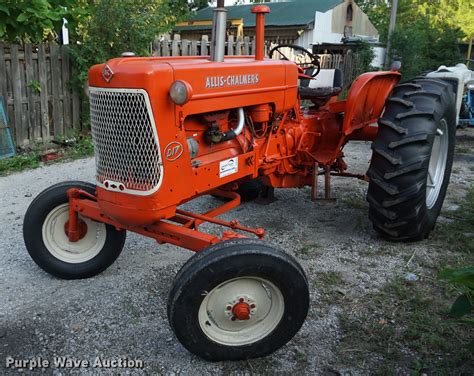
(173, 151)
(228, 167)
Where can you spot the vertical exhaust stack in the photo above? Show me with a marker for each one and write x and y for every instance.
(260, 11)
(219, 24)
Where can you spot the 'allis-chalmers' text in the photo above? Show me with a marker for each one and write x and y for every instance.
(231, 80)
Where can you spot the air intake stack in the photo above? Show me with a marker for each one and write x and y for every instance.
(219, 23)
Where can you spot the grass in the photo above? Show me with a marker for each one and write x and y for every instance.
(331, 285)
(308, 249)
(459, 233)
(31, 159)
(406, 325)
(463, 150)
(355, 202)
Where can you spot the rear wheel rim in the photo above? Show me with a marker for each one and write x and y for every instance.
(57, 242)
(266, 308)
(437, 164)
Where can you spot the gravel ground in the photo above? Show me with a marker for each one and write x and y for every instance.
(122, 312)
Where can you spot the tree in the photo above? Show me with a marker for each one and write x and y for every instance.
(33, 21)
(427, 32)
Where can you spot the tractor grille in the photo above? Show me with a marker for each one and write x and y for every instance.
(126, 145)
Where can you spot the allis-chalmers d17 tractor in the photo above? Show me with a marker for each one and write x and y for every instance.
(167, 130)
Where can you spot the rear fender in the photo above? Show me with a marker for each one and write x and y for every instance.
(366, 99)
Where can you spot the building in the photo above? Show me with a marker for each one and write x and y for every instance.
(314, 24)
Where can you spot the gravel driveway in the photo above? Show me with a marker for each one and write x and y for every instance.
(121, 313)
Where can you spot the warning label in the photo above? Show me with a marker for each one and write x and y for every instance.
(228, 167)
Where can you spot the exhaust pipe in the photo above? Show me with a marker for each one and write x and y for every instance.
(219, 24)
(260, 11)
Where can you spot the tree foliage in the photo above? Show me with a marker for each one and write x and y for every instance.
(28, 20)
(109, 29)
(427, 32)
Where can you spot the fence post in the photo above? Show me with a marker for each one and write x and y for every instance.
(238, 46)
(58, 125)
(185, 47)
(175, 45)
(65, 87)
(155, 47)
(31, 95)
(246, 46)
(230, 45)
(194, 48)
(165, 47)
(43, 79)
(3, 76)
(204, 45)
(20, 135)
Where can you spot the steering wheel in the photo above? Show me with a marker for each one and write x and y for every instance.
(301, 57)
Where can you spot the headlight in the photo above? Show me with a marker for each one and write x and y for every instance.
(180, 92)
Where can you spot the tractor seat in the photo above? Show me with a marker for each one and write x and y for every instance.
(327, 83)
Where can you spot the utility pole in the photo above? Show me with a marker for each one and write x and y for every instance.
(391, 27)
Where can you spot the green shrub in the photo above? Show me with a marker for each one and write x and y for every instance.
(463, 306)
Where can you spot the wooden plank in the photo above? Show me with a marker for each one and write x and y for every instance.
(3, 75)
(156, 50)
(194, 48)
(185, 47)
(246, 46)
(20, 137)
(175, 45)
(43, 79)
(58, 125)
(230, 45)
(33, 128)
(204, 45)
(238, 46)
(165, 47)
(76, 112)
(65, 89)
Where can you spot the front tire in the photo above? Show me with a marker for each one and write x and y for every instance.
(412, 159)
(48, 244)
(238, 299)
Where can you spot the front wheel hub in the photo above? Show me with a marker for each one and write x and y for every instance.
(241, 311)
(79, 233)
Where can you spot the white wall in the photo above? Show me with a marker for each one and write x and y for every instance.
(322, 29)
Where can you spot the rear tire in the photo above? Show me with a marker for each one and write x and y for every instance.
(207, 293)
(49, 246)
(412, 159)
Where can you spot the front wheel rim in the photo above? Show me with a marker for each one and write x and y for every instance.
(437, 164)
(57, 242)
(219, 313)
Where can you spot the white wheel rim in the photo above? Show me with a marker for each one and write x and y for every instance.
(437, 165)
(58, 244)
(267, 308)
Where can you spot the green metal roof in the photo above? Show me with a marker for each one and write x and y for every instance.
(295, 12)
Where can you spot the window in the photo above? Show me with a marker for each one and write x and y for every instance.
(349, 13)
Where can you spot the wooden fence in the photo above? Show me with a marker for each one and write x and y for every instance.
(34, 84)
(347, 63)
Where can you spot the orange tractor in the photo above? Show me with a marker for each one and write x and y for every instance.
(167, 130)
